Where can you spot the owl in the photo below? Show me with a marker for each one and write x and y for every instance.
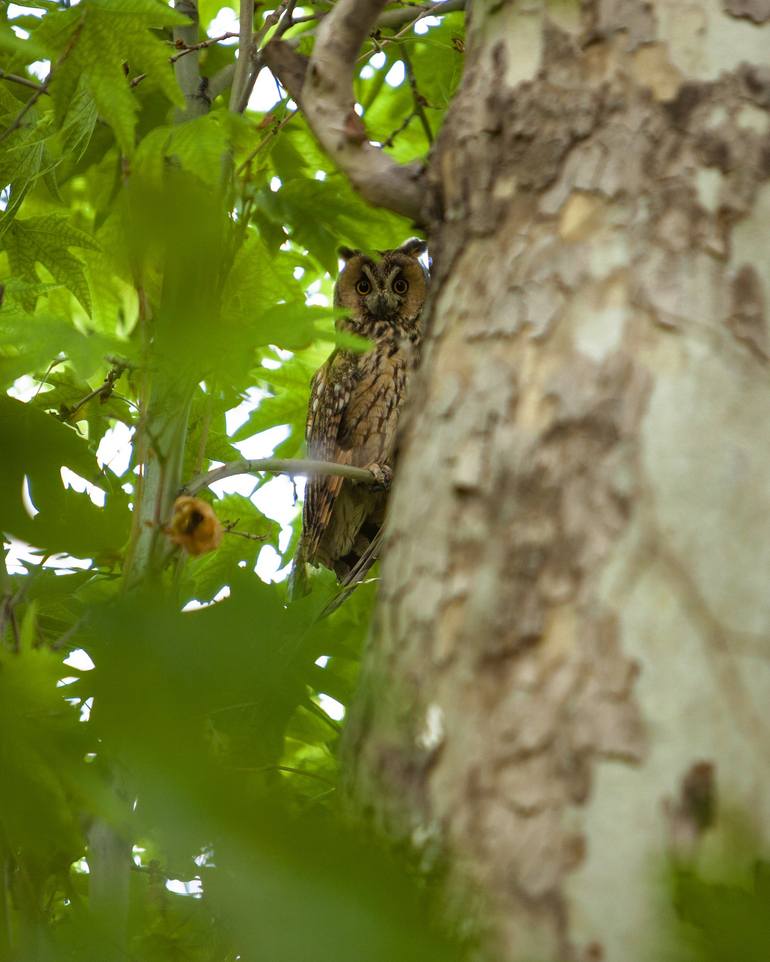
(355, 401)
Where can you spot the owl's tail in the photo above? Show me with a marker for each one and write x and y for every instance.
(355, 576)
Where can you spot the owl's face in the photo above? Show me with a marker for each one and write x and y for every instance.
(383, 293)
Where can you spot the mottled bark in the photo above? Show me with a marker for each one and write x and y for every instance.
(573, 633)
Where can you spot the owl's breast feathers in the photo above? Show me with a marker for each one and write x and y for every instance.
(352, 419)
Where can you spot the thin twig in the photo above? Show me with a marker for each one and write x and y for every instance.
(186, 48)
(419, 101)
(290, 769)
(229, 528)
(43, 88)
(51, 366)
(24, 81)
(192, 47)
(102, 392)
(278, 466)
(265, 141)
(400, 129)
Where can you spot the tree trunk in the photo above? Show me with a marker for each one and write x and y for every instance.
(574, 611)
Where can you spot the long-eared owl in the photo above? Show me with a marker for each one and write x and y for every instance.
(355, 402)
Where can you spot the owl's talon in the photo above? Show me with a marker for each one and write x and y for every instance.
(383, 476)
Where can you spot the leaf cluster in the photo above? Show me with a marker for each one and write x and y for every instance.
(158, 269)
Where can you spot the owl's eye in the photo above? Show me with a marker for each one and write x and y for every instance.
(363, 286)
(400, 286)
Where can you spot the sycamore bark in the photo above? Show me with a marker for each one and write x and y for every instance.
(573, 632)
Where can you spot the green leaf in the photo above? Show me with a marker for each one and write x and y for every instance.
(94, 40)
(25, 49)
(325, 214)
(46, 240)
(42, 749)
(36, 446)
(198, 145)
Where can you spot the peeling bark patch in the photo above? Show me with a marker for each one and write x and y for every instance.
(747, 320)
(758, 11)
(714, 151)
(634, 17)
(698, 795)
(688, 97)
(756, 80)
(593, 952)
(693, 811)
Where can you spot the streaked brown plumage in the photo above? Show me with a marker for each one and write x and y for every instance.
(355, 402)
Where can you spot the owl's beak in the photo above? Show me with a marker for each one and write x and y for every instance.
(380, 305)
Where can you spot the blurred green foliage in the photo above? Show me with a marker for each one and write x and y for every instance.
(144, 258)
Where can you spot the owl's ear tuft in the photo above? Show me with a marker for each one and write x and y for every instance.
(413, 247)
(346, 253)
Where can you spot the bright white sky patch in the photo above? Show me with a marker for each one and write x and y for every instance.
(24, 388)
(268, 566)
(74, 481)
(332, 707)
(237, 416)
(26, 498)
(425, 23)
(193, 605)
(79, 659)
(395, 76)
(266, 92)
(40, 69)
(19, 10)
(226, 21)
(114, 451)
(378, 60)
(194, 887)
(262, 444)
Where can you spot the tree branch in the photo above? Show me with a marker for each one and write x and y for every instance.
(245, 46)
(277, 466)
(221, 80)
(397, 18)
(186, 68)
(326, 98)
(282, 16)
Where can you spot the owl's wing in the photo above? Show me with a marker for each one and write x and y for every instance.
(330, 392)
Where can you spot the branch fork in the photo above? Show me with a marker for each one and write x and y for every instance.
(323, 87)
